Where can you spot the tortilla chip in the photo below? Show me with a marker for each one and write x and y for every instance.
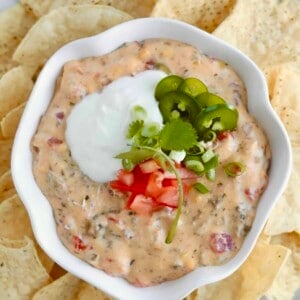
(16, 21)
(252, 279)
(5, 153)
(204, 14)
(6, 184)
(285, 99)
(12, 209)
(284, 91)
(65, 287)
(267, 31)
(15, 87)
(285, 216)
(10, 121)
(89, 292)
(6, 63)
(136, 8)
(21, 272)
(63, 25)
(288, 279)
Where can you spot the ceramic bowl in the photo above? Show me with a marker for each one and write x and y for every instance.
(38, 207)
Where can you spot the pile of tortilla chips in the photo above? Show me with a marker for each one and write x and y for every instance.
(32, 30)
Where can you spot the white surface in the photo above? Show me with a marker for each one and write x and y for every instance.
(6, 3)
(97, 126)
(38, 207)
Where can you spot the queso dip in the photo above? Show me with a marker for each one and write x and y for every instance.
(91, 218)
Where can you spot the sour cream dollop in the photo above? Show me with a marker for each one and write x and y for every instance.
(97, 126)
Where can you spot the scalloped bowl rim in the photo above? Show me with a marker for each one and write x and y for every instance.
(38, 207)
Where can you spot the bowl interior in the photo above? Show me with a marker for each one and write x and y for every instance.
(37, 205)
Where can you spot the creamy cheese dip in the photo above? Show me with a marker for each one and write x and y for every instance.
(90, 216)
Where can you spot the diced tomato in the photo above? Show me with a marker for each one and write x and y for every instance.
(154, 185)
(169, 182)
(130, 200)
(149, 166)
(221, 242)
(168, 197)
(151, 188)
(126, 177)
(142, 205)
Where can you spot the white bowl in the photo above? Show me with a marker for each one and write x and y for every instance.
(38, 207)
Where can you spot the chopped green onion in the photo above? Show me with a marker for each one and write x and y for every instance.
(209, 136)
(212, 163)
(150, 129)
(207, 156)
(197, 149)
(139, 113)
(195, 165)
(177, 156)
(234, 169)
(211, 174)
(201, 188)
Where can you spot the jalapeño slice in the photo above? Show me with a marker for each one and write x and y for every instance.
(174, 105)
(166, 85)
(192, 87)
(217, 117)
(208, 99)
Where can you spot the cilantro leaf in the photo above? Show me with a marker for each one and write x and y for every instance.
(178, 135)
(134, 128)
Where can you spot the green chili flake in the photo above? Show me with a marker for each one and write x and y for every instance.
(234, 169)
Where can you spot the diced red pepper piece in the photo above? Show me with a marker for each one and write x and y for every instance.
(252, 193)
(54, 141)
(78, 243)
(223, 135)
(60, 115)
(149, 65)
(221, 242)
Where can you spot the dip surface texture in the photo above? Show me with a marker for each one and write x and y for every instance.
(91, 219)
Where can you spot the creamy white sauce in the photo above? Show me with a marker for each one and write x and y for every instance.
(97, 126)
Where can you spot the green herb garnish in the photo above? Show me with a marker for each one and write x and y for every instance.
(192, 119)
